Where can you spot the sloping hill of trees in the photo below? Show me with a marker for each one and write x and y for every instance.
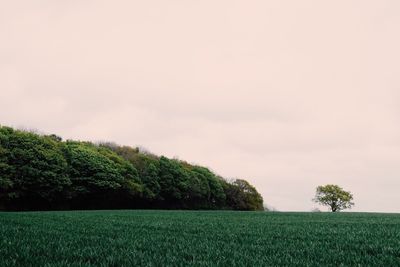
(42, 172)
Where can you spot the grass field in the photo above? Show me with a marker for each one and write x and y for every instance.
(201, 238)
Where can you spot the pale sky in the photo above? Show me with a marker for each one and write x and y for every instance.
(288, 95)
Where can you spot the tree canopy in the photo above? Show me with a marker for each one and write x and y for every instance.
(334, 196)
(45, 172)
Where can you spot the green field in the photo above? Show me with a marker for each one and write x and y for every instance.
(201, 238)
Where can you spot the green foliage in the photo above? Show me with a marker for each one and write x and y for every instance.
(334, 197)
(132, 185)
(90, 171)
(243, 196)
(151, 181)
(190, 238)
(173, 181)
(200, 190)
(146, 166)
(5, 170)
(44, 172)
(32, 167)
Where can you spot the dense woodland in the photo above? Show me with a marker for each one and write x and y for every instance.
(42, 172)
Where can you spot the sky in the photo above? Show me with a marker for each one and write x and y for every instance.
(286, 94)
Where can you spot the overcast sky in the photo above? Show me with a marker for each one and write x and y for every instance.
(286, 94)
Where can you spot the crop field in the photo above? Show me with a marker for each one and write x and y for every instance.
(200, 238)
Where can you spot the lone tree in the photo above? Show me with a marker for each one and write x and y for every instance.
(334, 197)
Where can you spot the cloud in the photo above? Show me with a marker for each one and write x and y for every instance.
(288, 95)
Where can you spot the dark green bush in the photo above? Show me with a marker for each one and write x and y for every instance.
(44, 172)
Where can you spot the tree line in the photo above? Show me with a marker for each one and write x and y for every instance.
(43, 172)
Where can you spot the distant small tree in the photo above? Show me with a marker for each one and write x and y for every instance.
(316, 210)
(333, 196)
